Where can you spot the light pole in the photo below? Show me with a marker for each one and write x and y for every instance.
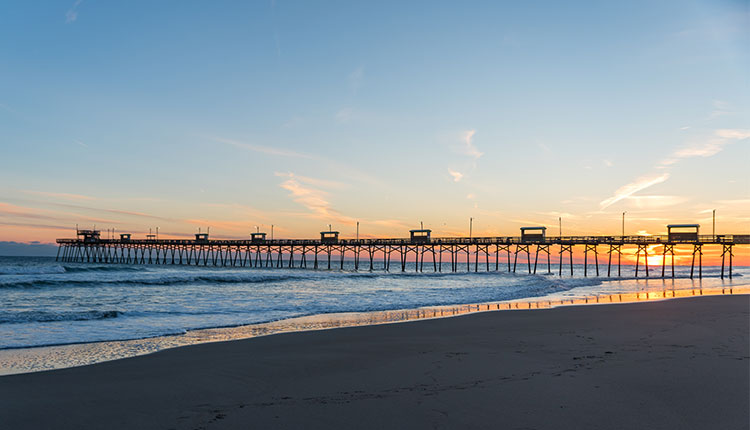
(157, 233)
(559, 220)
(623, 224)
(471, 226)
(357, 231)
(713, 221)
(271, 231)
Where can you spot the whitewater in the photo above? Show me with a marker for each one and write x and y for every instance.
(43, 302)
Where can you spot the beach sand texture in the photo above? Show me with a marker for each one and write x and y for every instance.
(676, 364)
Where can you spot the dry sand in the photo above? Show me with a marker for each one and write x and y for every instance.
(678, 364)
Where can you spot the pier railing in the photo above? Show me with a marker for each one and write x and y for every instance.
(296, 253)
(502, 240)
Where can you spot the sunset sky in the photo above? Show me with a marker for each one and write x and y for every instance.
(180, 115)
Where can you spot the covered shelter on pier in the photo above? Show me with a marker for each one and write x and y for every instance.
(257, 237)
(683, 232)
(201, 237)
(420, 235)
(329, 237)
(533, 234)
(89, 235)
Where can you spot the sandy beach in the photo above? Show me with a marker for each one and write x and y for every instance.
(677, 364)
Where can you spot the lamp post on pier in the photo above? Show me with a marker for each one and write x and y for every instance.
(713, 222)
(623, 225)
(471, 226)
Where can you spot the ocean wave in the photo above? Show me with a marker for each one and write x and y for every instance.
(158, 281)
(32, 270)
(117, 268)
(41, 316)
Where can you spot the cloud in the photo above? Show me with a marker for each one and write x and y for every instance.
(468, 147)
(342, 169)
(344, 115)
(39, 226)
(720, 109)
(113, 211)
(711, 147)
(607, 163)
(72, 14)
(322, 183)
(314, 199)
(556, 214)
(65, 196)
(10, 210)
(355, 79)
(628, 190)
(714, 145)
(656, 202)
(457, 176)
(262, 149)
(733, 134)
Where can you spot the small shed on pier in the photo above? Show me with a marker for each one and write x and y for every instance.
(683, 233)
(124, 236)
(329, 237)
(201, 237)
(257, 237)
(420, 236)
(89, 235)
(533, 234)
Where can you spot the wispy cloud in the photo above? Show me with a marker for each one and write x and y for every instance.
(355, 79)
(457, 176)
(304, 192)
(72, 14)
(467, 147)
(113, 211)
(628, 190)
(721, 108)
(342, 169)
(712, 146)
(656, 202)
(344, 115)
(262, 149)
(10, 210)
(39, 226)
(720, 139)
(321, 183)
(64, 196)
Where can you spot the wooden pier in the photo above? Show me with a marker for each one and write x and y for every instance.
(330, 252)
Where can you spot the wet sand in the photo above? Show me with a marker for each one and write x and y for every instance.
(677, 364)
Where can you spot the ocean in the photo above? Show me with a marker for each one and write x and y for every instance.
(43, 302)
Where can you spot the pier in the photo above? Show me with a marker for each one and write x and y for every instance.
(330, 252)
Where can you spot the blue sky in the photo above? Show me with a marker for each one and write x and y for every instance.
(235, 114)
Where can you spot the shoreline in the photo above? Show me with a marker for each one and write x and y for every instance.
(655, 364)
(53, 357)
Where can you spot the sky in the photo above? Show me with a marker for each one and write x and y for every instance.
(184, 115)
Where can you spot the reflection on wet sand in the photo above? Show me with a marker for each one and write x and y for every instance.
(26, 360)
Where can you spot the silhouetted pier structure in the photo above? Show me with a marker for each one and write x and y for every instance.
(257, 251)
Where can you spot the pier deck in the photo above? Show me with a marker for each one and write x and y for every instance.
(297, 253)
